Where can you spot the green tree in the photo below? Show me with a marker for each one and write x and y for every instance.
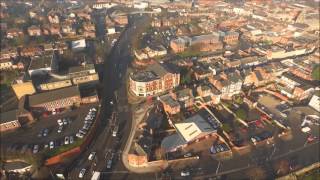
(226, 127)
(241, 113)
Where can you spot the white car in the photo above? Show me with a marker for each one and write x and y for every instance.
(54, 112)
(51, 144)
(59, 121)
(79, 135)
(91, 156)
(109, 163)
(66, 140)
(35, 149)
(71, 139)
(60, 129)
(305, 129)
(187, 155)
(82, 172)
(185, 173)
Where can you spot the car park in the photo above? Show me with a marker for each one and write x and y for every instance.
(82, 173)
(91, 156)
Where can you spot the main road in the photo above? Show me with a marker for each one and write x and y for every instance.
(104, 144)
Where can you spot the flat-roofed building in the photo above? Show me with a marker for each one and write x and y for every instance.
(83, 74)
(189, 131)
(41, 65)
(60, 98)
(9, 121)
(23, 88)
(54, 84)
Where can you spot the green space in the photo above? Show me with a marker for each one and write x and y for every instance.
(316, 73)
(189, 53)
(64, 148)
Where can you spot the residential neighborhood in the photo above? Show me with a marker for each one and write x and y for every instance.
(179, 89)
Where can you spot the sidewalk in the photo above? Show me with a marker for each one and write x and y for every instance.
(138, 116)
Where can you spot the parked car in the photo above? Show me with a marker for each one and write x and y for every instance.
(185, 173)
(109, 164)
(40, 134)
(187, 155)
(45, 132)
(35, 149)
(51, 144)
(79, 135)
(60, 129)
(82, 172)
(71, 139)
(59, 121)
(65, 122)
(91, 156)
(66, 140)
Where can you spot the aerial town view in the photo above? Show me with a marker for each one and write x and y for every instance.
(160, 89)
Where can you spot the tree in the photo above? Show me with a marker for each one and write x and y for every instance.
(241, 113)
(226, 127)
(316, 73)
(186, 76)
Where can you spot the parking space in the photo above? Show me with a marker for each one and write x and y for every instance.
(48, 132)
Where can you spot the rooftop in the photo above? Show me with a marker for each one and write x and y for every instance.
(39, 62)
(192, 127)
(54, 95)
(8, 116)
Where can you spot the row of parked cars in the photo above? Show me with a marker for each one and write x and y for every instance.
(219, 148)
(88, 121)
(260, 137)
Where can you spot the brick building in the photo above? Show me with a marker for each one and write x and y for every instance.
(157, 78)
(60, 98)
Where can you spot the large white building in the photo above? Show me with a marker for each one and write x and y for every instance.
(191, 130)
